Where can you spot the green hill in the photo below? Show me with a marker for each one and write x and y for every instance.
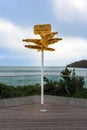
(79, 64)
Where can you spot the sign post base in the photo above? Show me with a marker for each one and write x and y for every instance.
(43, 110)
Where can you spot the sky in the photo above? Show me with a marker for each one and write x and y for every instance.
(17, 20)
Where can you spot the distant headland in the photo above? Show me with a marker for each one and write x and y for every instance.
(78, 64)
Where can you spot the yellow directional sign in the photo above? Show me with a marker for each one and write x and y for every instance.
(39, 48)
(42, 29)
(53, 40)
(49, 49)
(50, 41)
(46, 38)
(49, 35)
(36, 41)
(33, 46)
(31, 40)
(42, 43)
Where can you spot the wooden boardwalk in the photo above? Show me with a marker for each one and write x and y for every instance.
(57, 117)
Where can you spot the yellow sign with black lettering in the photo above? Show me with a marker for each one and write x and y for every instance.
(49, 35)
(39, 48)
(35, 41)
(33, 46)
(42, 29)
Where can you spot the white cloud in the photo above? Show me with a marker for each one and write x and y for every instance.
(70, 10)
(11, 37)
(66, 51)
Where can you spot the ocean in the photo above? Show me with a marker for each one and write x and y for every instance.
(27, 75)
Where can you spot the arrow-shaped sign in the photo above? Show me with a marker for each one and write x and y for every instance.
(39, 48)
(48, 36)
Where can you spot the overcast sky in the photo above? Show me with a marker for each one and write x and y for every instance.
(17, 19)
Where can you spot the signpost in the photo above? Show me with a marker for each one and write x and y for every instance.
(44, 30)
(39, 47)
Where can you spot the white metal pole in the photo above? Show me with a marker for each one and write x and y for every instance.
(42, 75)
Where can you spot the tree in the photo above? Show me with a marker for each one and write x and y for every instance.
(70, 82)
(68, 85)
(49, 86)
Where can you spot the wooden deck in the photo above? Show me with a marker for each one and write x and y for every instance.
(57, 117)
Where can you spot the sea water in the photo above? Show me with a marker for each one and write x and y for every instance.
(27, 75)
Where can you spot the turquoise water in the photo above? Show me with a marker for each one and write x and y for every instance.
(15, 75)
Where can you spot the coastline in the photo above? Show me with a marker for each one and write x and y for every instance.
(28, 75)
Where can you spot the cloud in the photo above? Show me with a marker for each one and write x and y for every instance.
(66, 51)
(11, 35)
(70, 10)
(11, 43)
(12, 48)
